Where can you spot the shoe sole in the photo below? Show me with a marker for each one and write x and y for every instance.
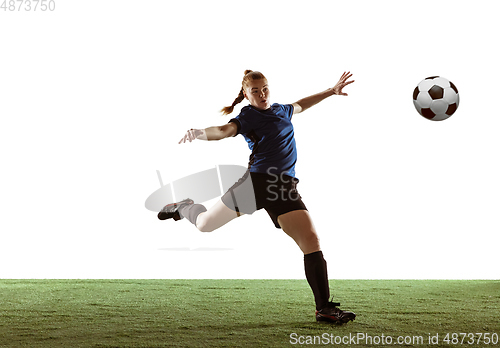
(165, 216)
(327, 319)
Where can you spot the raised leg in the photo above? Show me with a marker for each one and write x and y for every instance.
(215, 217)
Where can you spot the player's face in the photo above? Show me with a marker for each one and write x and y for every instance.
(257, 93)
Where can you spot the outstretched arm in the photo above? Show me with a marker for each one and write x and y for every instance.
(312, 100)
(211, 133)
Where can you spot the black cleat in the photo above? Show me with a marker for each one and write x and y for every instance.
(332, 314)
(171, 211)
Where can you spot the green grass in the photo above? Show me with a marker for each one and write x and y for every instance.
(235, 313)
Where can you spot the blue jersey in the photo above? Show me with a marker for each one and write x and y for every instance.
(269, 134)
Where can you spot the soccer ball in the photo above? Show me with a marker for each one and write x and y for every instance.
(436, 98)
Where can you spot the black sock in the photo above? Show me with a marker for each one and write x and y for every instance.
(192, 211)
(317, 277)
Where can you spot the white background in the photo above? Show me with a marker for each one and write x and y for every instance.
(95, 96)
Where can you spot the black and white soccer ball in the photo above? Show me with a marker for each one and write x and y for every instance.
(436, 98)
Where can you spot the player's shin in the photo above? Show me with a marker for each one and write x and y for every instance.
(317, 277)
(191, 212)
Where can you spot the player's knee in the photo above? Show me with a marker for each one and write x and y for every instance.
(310, 240)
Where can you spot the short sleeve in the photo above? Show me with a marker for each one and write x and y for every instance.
(238, 125)
(243, 123)
(288, 110)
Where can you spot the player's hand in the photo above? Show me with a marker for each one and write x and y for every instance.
(337, 89)
(193, 134)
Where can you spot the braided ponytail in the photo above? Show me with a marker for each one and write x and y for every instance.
(228, 109)
(250, 75)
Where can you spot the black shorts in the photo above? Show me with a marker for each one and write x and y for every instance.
(277, 194)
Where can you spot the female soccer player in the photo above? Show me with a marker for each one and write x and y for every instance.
(270, 181)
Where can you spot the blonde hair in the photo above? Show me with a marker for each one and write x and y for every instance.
(249, 76)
